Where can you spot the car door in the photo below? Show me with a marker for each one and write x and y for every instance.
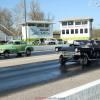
(23, 45)
(17, 47)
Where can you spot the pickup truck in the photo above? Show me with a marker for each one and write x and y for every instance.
(82, 53)
(15, 46)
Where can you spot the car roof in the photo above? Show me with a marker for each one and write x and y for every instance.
(16, 40)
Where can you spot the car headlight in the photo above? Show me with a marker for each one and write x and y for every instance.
(76, 49)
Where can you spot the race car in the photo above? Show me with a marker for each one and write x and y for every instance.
(15, 46)
(82, 53)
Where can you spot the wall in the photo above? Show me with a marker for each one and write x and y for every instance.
(90, 91)
(76, 36)
(34, 32)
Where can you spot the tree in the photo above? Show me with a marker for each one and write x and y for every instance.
(35, 13)
(38, 15)
(19, 14)
(50, 17)
(95, 33)
(6, 18)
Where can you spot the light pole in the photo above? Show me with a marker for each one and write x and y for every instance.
(25, 19)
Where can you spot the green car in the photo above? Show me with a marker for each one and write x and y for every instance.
(15, 46)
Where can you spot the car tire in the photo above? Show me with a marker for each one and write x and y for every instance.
(6, 54)
(28, 52)
(19, 54)
(62, 60)
(84, 61)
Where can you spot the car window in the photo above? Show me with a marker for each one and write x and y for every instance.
(22, 42)
(17, 43)
(9, 43)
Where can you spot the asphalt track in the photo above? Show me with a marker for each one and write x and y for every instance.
(31, 74)
(19, 77)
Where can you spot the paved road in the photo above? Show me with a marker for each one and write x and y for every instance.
(42, 79)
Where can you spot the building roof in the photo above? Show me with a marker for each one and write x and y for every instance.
(4, 29)
(75, 19)
(37, 22)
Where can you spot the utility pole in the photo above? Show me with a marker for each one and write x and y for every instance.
(25, 19)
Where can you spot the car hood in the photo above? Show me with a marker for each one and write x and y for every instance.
(67, 48)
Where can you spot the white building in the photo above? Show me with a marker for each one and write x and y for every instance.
(37, 30)
(76, 28)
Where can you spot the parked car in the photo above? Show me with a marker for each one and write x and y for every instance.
(15, 46)
(84, 53)
(78, 42)
(60, 41)
(36, 42)
(50, 41)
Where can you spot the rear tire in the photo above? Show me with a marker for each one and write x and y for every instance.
(62, 60)
(6, 54)
(28, 52)
(84, 61)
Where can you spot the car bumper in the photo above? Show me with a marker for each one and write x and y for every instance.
(68, 54)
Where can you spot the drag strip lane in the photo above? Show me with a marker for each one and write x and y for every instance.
(32, 74)
(27, 60)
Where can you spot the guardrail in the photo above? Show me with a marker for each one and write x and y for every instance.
(90, 91)
(48, 47)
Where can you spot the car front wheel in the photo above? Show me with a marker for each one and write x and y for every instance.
(28, 52)
(6, 54)
(62, 60)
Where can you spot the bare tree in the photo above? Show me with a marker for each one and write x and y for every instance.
(19, 14)
(35, 10)
(50, 17)
(6, 18)
(37, 14)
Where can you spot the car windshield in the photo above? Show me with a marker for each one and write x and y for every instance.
(9, 43)
(53, 40)
(85, 42)
(59, 39)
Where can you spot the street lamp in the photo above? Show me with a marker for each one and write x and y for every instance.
(25, 19)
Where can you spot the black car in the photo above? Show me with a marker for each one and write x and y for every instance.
(84, 53)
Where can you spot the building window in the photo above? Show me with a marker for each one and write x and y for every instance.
(76, 31)
(81, 31)
(64, 23)
(72, 31)
(67, 31)
(86, 30)
(31, 24)
(63, 31)
(70, 23)
(40, 25)
(47, 25)
(77, 23)
(84, 22)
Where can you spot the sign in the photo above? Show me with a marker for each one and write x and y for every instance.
(36, 31)
(72, 26)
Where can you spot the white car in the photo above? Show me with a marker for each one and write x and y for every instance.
(50, 41)
(60, 41)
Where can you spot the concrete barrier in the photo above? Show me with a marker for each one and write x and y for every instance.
(50, 47)
(90, 91)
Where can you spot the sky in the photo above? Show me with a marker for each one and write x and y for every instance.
(62, 9)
